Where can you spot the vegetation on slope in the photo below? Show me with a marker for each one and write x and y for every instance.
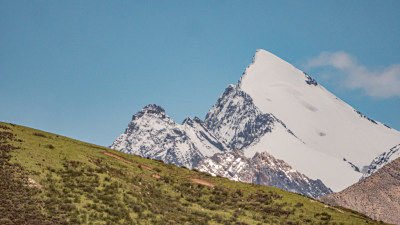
(50, 179)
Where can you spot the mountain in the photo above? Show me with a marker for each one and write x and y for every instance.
(281, 110)
(263, 169)
(378, 195)
(274, 108)
(50, 179)
(153, 134)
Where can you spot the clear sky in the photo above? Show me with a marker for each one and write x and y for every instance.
(83, 68)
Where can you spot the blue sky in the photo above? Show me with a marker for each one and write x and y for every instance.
(83, 68)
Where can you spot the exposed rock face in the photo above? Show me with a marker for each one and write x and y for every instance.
(236, 121)
(151, 133)
(262, 169)
(377, 196)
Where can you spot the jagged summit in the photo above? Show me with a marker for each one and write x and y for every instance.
(151, 133)
(151, 109)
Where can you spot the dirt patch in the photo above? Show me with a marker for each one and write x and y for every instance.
(127, 161)
(117, 157)
(156, 176)
(203, 182)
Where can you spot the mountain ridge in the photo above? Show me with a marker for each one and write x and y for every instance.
(262, 169)
(151, 133)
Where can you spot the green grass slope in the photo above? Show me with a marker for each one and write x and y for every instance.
(51, 179)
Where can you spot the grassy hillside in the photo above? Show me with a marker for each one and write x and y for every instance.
(51, 179)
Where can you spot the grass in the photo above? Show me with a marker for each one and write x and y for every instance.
(78, 184)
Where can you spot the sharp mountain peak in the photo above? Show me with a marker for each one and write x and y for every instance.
(267, 66)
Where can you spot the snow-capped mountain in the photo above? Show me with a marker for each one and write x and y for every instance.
(263, 169)
(151, 133)
(382, 160)
(303, 123)
(278, 109)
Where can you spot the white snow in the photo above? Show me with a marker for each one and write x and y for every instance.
(334, 172)
(155, 135)
(330, 128)
(199, 141)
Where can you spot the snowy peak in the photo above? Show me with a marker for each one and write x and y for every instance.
(151, 133)
(151, 109)
(269, 67)
(273, 98)
(262, 56)
(314, 114)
